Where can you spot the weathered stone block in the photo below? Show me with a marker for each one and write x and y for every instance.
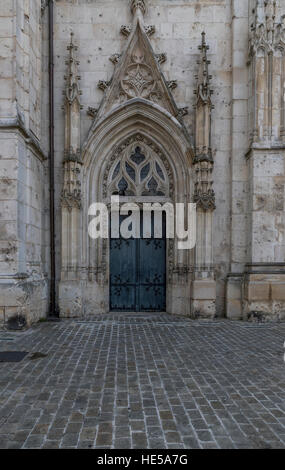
(204, 290)
(258, 291)
(278, 291)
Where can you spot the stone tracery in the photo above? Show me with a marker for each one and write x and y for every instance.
(138, 152)
(138, 172)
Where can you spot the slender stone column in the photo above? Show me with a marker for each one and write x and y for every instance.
(204, 285)
(71, 194)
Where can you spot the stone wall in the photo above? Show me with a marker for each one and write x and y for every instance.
(248, 172)
(23, 200)
(178, 27)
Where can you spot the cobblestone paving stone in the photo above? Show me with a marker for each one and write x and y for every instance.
(144, 381)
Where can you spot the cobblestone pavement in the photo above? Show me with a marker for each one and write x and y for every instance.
(138, 381)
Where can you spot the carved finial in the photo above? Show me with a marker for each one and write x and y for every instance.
(92, 111)
(138, 4)
(149, 29)
(103, 85)
(72, 90)
(203, 34)
(125, 30)
(172, 84)
(115, 58)
(182, 112)
(203, 90)
(161, 58)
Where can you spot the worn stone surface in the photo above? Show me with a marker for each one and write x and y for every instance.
(23, 179)
(111, 382)
(245, 140)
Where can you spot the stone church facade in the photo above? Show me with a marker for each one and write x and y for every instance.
(158, 101)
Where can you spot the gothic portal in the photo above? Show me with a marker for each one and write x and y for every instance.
(158, 101)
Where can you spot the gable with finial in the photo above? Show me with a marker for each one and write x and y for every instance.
(137, 72)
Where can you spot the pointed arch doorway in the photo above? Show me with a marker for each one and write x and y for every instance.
(163, 176)
(138, 265)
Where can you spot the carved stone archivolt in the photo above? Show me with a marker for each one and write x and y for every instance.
(140, 164)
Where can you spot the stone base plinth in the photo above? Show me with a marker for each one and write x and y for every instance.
(70, 299)
(204, 298)
(23, 301)
(234, 296)
(264, 297)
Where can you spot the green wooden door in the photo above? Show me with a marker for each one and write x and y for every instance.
(138, 274)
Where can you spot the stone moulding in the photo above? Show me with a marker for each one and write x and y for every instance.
(203, 157)
(16, 124)
(70, 156)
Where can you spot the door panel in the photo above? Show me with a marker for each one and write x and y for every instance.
(137, 274)
(122, 274)
(152, 274)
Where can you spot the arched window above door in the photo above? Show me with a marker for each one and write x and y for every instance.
(138, 170)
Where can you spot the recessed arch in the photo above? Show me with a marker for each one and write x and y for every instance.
(168, 149)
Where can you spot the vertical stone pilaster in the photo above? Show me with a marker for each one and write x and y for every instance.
(23, 266)
(204, 285)
(266, 59)
(238, 169)
(70, 302)
(264, 276)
